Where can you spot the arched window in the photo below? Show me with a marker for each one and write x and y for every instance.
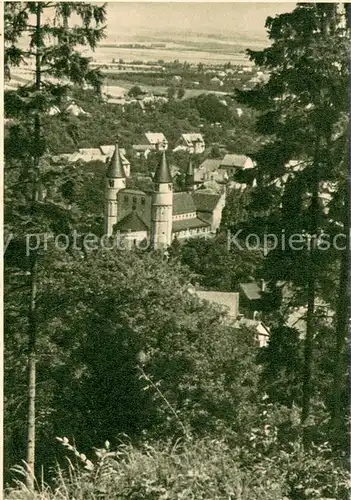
(111, 183)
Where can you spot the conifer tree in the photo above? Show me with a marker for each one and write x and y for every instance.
(44, 37)
(303, 108)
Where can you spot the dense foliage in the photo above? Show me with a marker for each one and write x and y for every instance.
(105, 121)
(111, 345)
(214, 264)
(304, 108)
(120, 304)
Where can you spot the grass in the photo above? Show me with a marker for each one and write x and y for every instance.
(195, 470)
(191, 469)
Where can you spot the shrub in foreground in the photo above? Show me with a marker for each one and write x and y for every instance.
(199, 470)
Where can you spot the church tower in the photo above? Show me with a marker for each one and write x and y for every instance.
(189, 177)
(162, 206)
(115, 181)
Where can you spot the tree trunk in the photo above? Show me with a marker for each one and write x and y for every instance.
(32, 314)
(32, 333)
(311, 297)
(308, 348)
(340, 366)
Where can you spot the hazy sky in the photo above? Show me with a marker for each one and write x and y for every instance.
(210, 17)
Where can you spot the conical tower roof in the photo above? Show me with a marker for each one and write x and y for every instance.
(163, 174)
(115, 168)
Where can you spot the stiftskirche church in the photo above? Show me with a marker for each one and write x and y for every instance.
(160, 215)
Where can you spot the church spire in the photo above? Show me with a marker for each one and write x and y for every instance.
(163, 174)
(162, 206)
(115, 181)
(115, 168)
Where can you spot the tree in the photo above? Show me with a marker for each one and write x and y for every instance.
(235, 211)
(97, 315)
(52, 47)
(181, 93)
(215, 152)
(211, 109)
(135, 91)
(302, 107)
(171, 91)
(282, 366)
(215, 265)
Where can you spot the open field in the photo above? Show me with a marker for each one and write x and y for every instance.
(112, 87)
(110, 84)
(106, 54)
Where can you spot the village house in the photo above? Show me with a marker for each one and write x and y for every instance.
(229, 302)
(232, 162)
(102, 154)
(251, 295)
(155, 141)
(209, 171)
(209, 206)
(176, 80)
(258, 297)
(297, 316)
(326, 190)
(54, 110)
(262, 330)
(141, 150)
(118, 102)
(154, 99)
(114, 92)
(217, 81)
(74, 109)
(151, 141)
(192, 143)
(259, 78)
